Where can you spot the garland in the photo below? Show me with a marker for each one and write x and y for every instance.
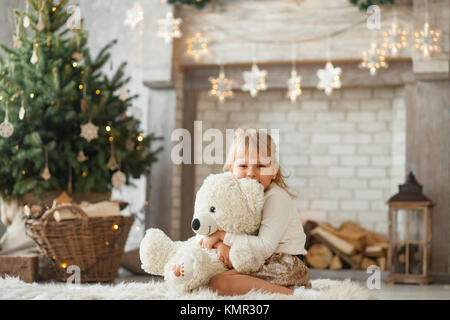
(364, 4)
(199, 4)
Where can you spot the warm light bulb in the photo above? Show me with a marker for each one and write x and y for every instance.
(115, 227)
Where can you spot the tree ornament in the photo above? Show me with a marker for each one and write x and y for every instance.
(118, 179)
(40, 25)
(129, 144)
(78, 56)
(6, 127)
(373, 59)
(22, 108)
(329, 78)
(221, 86)
(83, 105)
(124, 93)
(169, 28)
(89, 131)
(197, 46)
(81, 156)
(46, 173)
(34, 57)
(26, 19)
(112, 163)
(255, 80)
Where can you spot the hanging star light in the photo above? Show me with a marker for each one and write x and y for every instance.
(134, 15)
(255, 80)
(221, 86)
(394, 39)
(427, 40)
(197, 46)
(329, 78)
(169, 28)
(373, 59)
(293, 84)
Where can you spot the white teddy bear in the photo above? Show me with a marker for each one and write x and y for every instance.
(223, 202)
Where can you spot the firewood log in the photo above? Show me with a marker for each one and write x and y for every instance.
(336, 263)
(319, 256)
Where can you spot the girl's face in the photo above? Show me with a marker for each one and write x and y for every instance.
(249, 165)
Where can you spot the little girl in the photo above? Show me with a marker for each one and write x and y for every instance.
(281, 238)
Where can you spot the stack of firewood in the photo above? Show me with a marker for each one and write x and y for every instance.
(348, 247)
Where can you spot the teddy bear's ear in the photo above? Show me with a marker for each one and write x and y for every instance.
(254, 194)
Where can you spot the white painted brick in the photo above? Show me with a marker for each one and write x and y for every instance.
(353, 183)
(356, 161)
(354, 205)
(368, 194)
(398, 104)
(399, 91)
(320, 94)
(339, 217)
(356, 93)
(253, 106)
(338, 127)
(298, 115)
(344, 105)
(379, 206)
(342, 149)
(357, 138)
(374, 149)
(309, 193)
(302, 203)
(204, 105)
(382, 138)
(295, 138)
(337, 194)
(296, 182)
(230, 106)
(324, 204)
(314, 105)
(325, 138)
(381, 161)
(361, 116)
(330, 116)
(272, 116)
(242, 117)
(217, 116)
(384, 115)
(295, 160)
(372, 217)
(374, 104)
(380, 183)
(372, 126)
(386, 93)
(322, 182)
(324, 160)
(398, 160)
(371, 172)
(382, 228)
(341, 172)
(311, 172)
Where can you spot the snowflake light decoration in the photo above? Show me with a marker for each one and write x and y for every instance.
(373, 59)
(293, 84)
(134, 16)
(221, 86)
(427, 40)
(197, 46)
(329, 78)
(255, 80)
(394, 39)
(169, 28)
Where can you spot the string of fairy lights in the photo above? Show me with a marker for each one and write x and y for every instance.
(396, 38)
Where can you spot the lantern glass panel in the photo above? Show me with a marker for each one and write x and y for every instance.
(399, 225)
(415, 258)
(416, 225)
(398, 258)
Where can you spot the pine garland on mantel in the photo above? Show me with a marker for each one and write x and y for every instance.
(199, 4)
(364, 4)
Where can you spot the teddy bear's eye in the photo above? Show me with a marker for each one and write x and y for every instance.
(212, 209)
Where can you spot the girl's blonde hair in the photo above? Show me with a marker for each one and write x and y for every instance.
(260, 141)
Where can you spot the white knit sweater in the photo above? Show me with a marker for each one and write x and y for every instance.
(281, 228)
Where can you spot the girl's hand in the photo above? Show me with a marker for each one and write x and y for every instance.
(223, 251)
(209, 241)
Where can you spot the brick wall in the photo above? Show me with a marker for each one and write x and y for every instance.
(344, 154)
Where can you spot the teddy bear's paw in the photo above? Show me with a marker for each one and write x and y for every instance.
(182, 271)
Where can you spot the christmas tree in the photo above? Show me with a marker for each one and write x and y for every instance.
(65, 124)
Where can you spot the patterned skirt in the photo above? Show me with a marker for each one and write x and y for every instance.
(285, 270)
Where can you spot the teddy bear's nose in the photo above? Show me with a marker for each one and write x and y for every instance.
(195, 224)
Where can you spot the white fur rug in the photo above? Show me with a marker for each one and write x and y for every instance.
(14, 288)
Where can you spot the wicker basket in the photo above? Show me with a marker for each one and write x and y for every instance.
(95, 245)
